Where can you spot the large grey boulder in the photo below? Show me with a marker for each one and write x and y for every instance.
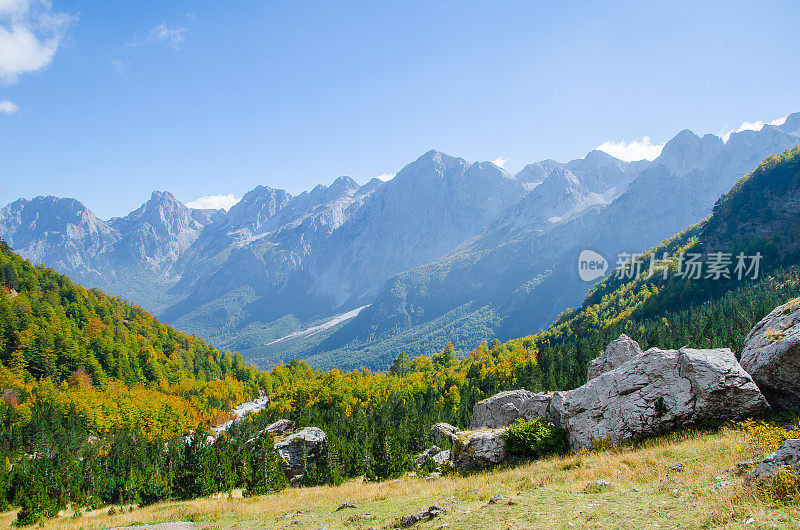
(617, 352)
(771, 355)
(787, 456)
(478, 450)
(503, 409)
(658, 391)
(290, 449)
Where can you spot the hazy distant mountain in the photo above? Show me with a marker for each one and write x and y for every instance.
(447, 250)
(521, 271)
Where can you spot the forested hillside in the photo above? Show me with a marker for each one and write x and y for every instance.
(98, 397)
(112, 363)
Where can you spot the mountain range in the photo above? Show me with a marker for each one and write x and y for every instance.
(349, 275)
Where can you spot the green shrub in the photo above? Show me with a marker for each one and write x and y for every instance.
(535, 439)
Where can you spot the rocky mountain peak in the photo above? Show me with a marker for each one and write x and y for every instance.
(533, 174)
(257, 207)
(687, 151)
(792, 124)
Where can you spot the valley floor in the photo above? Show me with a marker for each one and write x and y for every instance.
(560, 492)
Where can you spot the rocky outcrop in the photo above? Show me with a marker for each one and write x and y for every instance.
(617, 352)
(280, 427)
(416, 518)
(425, 455)
(503, 409)
(787, 456)
(658, 391)
(771, 355)
(444, 432)
(478, 450)
(290, 450)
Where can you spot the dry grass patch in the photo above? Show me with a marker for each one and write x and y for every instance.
(642, 492)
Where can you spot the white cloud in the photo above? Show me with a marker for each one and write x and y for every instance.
(30, 32)
(750, 126)
(639, 149)
(8, 107)
(386, 176)
(214, 202)
(500, 161)
(161, 34)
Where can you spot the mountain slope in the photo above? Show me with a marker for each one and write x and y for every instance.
(447, 250)
(512, 280)
(112, 362)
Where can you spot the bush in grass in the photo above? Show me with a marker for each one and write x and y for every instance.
(535, 438)
(781, 487)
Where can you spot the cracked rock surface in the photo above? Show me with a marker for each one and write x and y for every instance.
(503, 409)
(656, 392)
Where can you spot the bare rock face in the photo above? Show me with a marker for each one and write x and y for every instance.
(290, 450)
(280, 427)
(658, 391)
(503, 409)
(478, 450)
(617, 352)
(444, 432)
(787, 456)
(771, 355)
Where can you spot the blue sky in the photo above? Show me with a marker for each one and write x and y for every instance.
(107, 101)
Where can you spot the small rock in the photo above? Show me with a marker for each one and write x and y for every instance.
(496, 499)
(410, 520)
(442, 457)
(719, 486)
(479, 450)
(749, 521)
(676, 467)
(598, 486)
(360, 517)
(742, 466)
(430, 513)
(345, 505)
(425, 455)
(290, 451)
(444, 432)
(280, 427)
(786, 457)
